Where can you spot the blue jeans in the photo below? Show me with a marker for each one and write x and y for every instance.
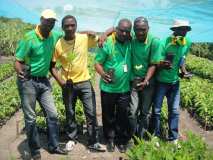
(40, 90)
(85, 92)
(172, 93)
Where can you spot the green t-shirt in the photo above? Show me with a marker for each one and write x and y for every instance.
(144, 54)
(117, 56)
(179, 51)
(37, 52)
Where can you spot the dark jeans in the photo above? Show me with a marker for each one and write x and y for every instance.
(85, 92)
(115, 108)
(172, 93)
(40, 90)
(140, 105)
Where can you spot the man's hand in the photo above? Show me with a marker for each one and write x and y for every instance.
(62, 83)
(106, 77)
(165, 64)
(142, 84)
(20, 74)
(101, 40)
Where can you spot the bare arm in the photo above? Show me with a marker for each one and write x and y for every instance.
(56, 75)
(99, 69)
(150, 73)
(19, 69)
(104, 36)
(89, 33)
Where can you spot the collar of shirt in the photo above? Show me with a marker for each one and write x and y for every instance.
(39, 33)
(177, 40)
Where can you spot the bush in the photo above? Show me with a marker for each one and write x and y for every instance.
(193, 148)
(12, 30)
(204, 50)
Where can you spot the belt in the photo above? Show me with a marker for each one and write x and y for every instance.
(37, 78)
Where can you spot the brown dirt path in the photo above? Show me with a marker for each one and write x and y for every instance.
(13, 145)
(187, 123)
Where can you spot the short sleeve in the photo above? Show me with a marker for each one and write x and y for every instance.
(156, 51)
(101, 54)
(23, 49)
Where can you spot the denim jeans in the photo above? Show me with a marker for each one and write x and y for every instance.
(85, 92)
(115, 108)
(140, 105)
(172, 93)
(40, 90)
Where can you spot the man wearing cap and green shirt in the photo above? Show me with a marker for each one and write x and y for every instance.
(113, 63)
(176, 47)
(33, 57)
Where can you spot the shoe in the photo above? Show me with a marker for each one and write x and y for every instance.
(97, 147)
(121, 148)
(70, 145)
(58, 151)
(110, 147)
(176, 143)
(36, 156)
(156, 141)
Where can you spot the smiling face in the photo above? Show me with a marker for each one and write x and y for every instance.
(69, 26)
(141, 29)
(123, 30)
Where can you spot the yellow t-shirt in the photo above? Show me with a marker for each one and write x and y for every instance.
(73, 57)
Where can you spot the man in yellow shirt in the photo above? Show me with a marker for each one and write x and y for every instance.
(72, 52)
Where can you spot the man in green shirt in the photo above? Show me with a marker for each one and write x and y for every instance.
(33, 57)
(113, 63)
(146, 53)
(176, 47)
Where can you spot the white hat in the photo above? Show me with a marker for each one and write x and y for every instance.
(181, 23)
(48, 13)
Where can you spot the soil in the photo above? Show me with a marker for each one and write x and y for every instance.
(13, 144)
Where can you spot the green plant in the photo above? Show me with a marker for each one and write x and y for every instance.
(200, 66)
(192, 149)
(7, 70)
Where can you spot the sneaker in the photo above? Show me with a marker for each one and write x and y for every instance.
(58, 150)
(176, 143)
(70, 145)
(156, 141)
(97, 147)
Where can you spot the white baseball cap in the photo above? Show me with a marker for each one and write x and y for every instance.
(48, 13)
(180, 23)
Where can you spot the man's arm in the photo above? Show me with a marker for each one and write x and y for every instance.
(99, 69)
(150, 73)
(104, 36)
(56, 75)
(19, 68)
(89, 33)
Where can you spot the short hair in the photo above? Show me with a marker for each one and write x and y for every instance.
(125, 20)
(141, 19)
(68, 17)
